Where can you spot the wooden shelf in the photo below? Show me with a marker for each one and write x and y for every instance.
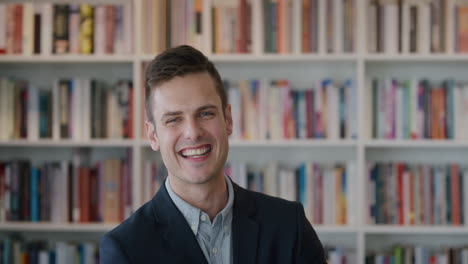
(68, 143)
(55, 227)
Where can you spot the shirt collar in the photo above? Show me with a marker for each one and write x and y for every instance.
(192, 214)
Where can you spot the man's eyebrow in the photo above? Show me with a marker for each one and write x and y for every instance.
(205, 107)
(174, 113)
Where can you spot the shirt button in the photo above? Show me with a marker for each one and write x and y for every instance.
(193, 227)
(215, 250)
(203, 217)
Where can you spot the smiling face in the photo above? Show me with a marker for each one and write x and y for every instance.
(190, 128)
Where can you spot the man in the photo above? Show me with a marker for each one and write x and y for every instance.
(199, 215)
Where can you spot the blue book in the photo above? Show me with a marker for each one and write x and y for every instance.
(301, 192)
(34, 194)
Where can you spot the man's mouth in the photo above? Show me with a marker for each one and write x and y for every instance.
(197, 152)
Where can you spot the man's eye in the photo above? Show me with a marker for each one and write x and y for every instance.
(172, 120)
(206, 114)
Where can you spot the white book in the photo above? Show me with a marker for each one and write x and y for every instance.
(292, 185)
(47, 28)
(372, 27)
(424, 28)
(127, 28)
(270, 179)
(405, 27)
(322, 25)
(399, 112)
(442, 199)
(55, 111)
(76, 109)
(74, 28)
(44, 257)
(33, 113)
(406, 197)
(89, 252)
(457, 111)
(414, 86)
(3, 21)
(390, 28)
(449, 26)
(28, 29)
(338, 32)
(85, 110)
(99, 29)
(465, 112)
(4, 108)
(296, 27)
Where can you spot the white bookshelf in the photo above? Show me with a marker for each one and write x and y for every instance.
(301, 70)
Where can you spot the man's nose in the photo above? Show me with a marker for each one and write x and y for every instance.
(193, 129)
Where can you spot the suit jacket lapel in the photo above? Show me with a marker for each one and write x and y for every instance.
(178, 233)
(244, 228)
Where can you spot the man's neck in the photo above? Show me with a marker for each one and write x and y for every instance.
(210, 197)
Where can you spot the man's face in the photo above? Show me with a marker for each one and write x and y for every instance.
(191, 130)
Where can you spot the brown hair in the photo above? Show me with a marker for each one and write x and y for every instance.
(177, 62)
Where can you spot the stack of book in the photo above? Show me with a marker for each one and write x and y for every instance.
(63, 191)
(47, 28)
(417, 194)
(264, 109)
(75, 108)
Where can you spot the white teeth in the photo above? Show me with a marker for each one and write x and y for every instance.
(195, 152)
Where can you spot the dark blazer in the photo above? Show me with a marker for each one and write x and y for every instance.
(264, 230)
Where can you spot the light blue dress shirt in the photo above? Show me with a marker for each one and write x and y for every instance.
(214, 237)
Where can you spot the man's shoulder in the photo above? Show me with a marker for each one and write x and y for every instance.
(135, 227)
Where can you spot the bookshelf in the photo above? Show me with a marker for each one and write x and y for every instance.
(302, 70)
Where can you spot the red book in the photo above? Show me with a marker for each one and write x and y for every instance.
(85, 197)
(18, 33)
(400, 171)
(455, 193)
(110, 29)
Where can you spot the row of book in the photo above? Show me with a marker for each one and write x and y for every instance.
(417, 194)
(264, 109)
(47, 28)
(419, 109)
(170, 23)
(16, 250)
(327, 25)
(323, 189)
(64, 191)
(74, 108)
(403, 254)
(409, 26)
(232, 26)
(339, 255)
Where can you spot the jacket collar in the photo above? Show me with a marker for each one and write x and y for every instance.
(176, 232)
(179, 235)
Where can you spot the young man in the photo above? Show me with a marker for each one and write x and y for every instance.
(199, 215)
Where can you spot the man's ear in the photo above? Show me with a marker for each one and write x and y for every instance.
(228, 117)
(151, 134)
